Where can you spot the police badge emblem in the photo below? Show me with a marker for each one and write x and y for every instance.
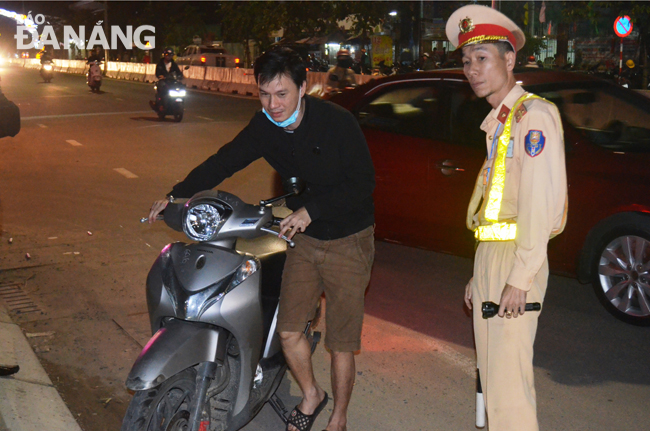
(534, 142)
(466, 25)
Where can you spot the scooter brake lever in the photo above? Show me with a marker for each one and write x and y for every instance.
(146, 219)
(272, 232)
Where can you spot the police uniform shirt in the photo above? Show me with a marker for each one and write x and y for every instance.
(535, 191)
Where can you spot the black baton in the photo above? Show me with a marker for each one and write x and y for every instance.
(490, 309)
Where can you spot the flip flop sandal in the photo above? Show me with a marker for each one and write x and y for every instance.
(302, 421)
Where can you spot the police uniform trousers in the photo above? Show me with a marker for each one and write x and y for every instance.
(504, 347)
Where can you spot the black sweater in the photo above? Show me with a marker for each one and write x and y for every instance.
(328, 151)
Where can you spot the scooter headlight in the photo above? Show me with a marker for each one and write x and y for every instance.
(177, 93)
(203, 219)
(47, 66)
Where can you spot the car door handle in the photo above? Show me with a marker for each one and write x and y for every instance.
(448, 167)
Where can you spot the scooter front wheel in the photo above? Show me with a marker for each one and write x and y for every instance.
(165, 407)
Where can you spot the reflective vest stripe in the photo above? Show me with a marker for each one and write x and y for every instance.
(496, 232)
(500, 231)
(498, 181)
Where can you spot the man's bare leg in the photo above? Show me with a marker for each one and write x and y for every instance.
(343, 374)
(297, 352)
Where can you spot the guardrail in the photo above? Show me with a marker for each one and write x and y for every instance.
(222, 79)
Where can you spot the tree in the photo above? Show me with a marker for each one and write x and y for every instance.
(257, 20)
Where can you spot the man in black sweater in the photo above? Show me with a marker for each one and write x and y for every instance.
(301, 136)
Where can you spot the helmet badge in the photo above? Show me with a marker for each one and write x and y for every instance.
(466, 25)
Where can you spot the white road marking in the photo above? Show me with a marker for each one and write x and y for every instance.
(42, 126)
(118, 99)
(125, 172)
(74, 143)
(205, 118)
(52, 237)
(87, 114)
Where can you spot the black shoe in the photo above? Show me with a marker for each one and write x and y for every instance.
(7, 370)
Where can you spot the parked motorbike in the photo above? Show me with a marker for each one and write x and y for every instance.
(215, 357)
(47, 71)
(94, 78)
(170, 98)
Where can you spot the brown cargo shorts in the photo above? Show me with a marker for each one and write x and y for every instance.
(341, 269)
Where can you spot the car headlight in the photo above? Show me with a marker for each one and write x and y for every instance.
(47, 67)
(204, 219)
(177, 93)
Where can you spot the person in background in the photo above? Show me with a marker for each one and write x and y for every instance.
(341, 75)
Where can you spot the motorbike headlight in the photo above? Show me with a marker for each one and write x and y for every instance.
(47, 67)
(177, 93)
(203, 220)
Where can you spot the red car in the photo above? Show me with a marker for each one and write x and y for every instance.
(427, 147)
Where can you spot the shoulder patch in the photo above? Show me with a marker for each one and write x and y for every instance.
(534, 142)
(521, 111)
(503, 114)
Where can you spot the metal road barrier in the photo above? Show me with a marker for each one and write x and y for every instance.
(221, 79)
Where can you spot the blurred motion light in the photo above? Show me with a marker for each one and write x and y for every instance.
(392, 13)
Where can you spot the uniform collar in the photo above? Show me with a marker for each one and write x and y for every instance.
(501, 114)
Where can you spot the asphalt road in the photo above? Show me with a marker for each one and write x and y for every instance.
(85, 167)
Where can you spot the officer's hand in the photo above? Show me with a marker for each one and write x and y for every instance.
(156, 208)
(513, 302)
(294, 223)
(468, 294)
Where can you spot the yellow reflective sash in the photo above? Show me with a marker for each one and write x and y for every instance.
(496, 232)
(500, 231)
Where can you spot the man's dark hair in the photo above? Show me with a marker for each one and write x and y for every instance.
(504, 47)
(277, 62)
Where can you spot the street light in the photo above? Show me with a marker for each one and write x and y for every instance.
(392, 13)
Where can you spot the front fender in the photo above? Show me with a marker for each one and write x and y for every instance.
(176, 346)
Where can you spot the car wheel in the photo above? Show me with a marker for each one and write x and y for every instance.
(622, 274)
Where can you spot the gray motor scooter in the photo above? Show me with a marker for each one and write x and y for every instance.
(215, 357)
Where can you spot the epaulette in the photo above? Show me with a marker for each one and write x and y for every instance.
(521, 111)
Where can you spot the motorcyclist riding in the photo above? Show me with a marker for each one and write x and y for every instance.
(341, 76)
(94, 56)
(46, 55)
(166, 68)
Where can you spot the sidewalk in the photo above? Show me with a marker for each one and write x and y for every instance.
(28, 400)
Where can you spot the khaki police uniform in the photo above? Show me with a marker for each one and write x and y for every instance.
(535, 198)
(519, 203)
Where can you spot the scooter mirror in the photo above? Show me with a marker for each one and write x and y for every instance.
(293, 185)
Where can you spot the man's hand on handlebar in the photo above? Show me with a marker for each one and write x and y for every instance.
(156, 208)
(294, 223)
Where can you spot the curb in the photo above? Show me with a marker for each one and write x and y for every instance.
(28, 399)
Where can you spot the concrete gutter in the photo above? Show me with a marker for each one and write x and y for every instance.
(28, 400)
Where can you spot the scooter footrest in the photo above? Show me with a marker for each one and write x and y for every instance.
(315, 339)
(279, 407)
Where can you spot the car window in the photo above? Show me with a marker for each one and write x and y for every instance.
(411, 110)
(466, 113)
(605, 116)
(186, 52)
(213, 51)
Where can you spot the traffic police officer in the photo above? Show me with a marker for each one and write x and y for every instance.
(519, 202)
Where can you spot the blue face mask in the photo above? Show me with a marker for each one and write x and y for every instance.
(289, 121)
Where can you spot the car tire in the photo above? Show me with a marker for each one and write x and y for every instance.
(621, 273)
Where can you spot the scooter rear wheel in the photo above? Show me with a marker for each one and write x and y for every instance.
(163, 408)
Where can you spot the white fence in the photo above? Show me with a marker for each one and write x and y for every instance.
(226, 80)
